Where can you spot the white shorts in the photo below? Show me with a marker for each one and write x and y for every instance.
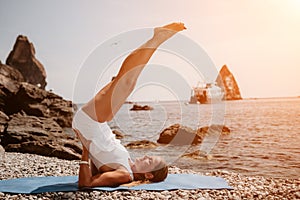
(99, 134)
(104, 148)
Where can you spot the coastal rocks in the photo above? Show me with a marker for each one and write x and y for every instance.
(11, 73)
(214, 128)
(227, 82)
(118, 134)
(136, 107)
(141, 144)
(3, 122)
(180, 135)
(31, 118)
(37, 102)
(38, 135)
(22, 96)
(22, 57)
(17, 95)
(9, 84)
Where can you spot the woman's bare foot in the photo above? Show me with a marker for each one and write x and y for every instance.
(175, 27)
(163, 33)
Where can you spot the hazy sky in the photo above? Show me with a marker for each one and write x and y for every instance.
(258, 40)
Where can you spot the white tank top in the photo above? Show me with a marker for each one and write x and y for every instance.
(104, 148)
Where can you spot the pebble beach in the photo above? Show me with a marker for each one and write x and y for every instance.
(16, 165)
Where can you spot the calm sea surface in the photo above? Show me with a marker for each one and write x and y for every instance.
(264, 138)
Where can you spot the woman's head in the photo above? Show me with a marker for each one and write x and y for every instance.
(160, 172)
(152, 168)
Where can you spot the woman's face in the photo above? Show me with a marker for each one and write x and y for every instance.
(146, 164)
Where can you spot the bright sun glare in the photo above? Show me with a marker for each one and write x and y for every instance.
(290, 6)
(294, 5)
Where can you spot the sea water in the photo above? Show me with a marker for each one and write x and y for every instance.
(264, 138)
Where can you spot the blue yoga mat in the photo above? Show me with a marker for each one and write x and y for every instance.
(33, 185)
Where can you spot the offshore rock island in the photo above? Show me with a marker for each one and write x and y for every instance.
(227, 82)
(225, 87)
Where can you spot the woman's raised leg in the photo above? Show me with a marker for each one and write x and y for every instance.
(109, 99)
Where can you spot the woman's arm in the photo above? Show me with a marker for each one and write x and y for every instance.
(85, 173)
(111, 178)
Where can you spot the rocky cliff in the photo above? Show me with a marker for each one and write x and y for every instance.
(31, 118)
(227, 82)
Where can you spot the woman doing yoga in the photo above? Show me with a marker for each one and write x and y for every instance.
(110, 163)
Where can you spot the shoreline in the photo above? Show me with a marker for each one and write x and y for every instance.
(18, 165)
(187, 100)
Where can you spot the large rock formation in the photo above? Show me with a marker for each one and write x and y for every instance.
(31, 118)
(22, 57)
(16, 96)
(227, 82)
